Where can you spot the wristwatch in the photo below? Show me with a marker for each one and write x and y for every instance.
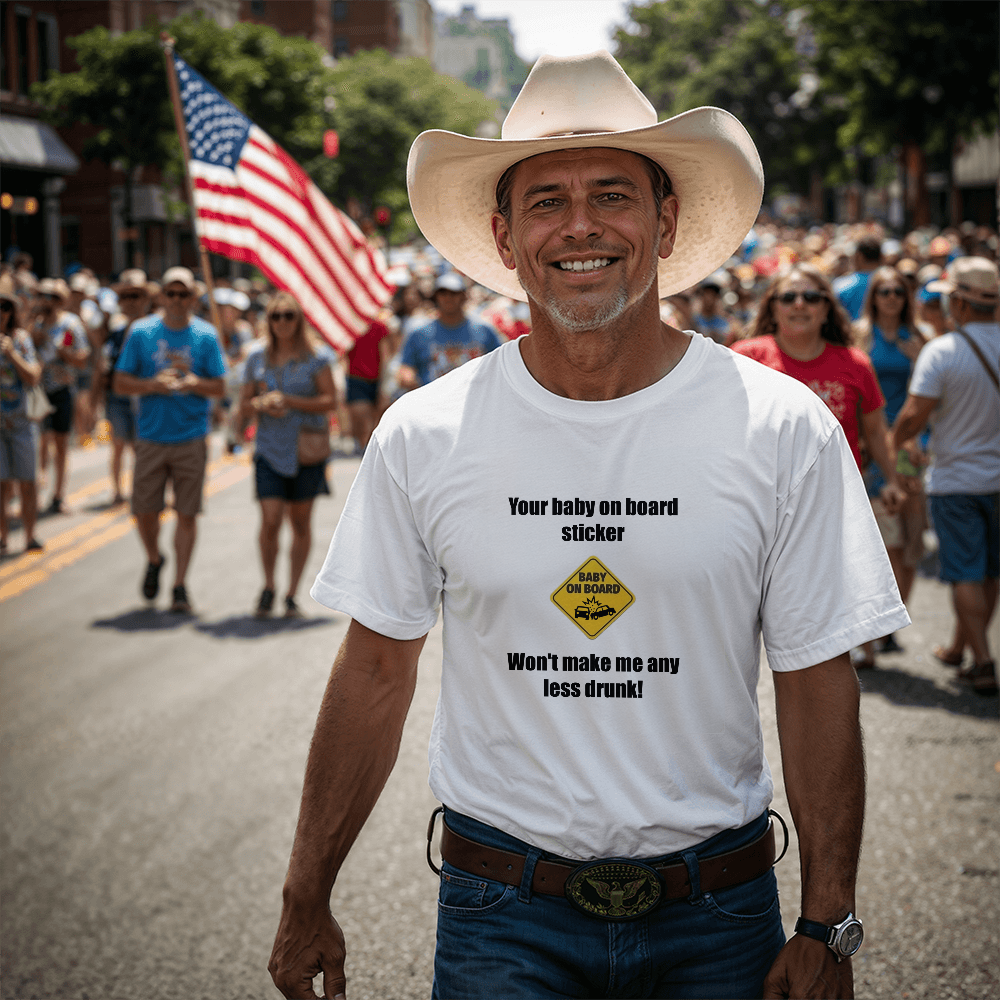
(843, 939)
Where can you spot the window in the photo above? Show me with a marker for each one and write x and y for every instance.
(22, 53)
(339, 10)
(48, 45)
(341, 45)
(257, 8)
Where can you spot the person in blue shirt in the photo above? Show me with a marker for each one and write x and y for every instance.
(174, 364)
(446, 342)
(852, 288)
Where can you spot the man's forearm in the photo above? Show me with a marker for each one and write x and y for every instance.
(353, 750)
(822, 756)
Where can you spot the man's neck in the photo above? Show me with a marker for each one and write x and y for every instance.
(176, 324)
(453, 321)
(620, 358)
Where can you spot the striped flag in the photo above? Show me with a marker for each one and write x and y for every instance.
(254, 203)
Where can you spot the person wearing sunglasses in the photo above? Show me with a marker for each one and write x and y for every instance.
(19, 372)
(174, 364)
(287, 386)
(801, 329)
(887, 330)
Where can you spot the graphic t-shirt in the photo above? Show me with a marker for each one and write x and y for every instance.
(965, 425)
(12, 389)
(841, 376)
(605, 571)
(150, 348)
(436, 349)
(66, 330)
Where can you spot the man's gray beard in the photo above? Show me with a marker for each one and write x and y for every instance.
(611, 309)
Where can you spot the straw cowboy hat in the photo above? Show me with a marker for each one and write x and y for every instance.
(577, 103)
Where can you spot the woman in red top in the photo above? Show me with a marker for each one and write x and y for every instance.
(802, 330)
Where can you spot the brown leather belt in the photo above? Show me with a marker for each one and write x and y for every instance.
(718, 872)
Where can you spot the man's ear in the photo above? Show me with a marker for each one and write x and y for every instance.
(501, 236)
(669, 210)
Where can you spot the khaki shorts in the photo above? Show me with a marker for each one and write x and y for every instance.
(904, 530)
(183, 464)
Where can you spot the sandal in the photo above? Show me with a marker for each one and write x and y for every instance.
(151, 581)
(981, 677)
(292, 610)
(942, 656)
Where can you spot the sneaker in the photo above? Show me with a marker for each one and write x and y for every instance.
(265, 603)
(151, 582)
(181, 605)
(292, 610)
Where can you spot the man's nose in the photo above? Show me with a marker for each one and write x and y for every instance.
(582, 220)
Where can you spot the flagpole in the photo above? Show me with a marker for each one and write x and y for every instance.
(175, 100)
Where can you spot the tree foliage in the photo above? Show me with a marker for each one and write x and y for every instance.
(921, 72)
(287, 85)
(819, 84)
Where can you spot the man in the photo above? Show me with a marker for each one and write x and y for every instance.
(175, 365)
(446, 342)
(61, 345)
(134, 296)
(610, 512)
(954, 385)
(710, 320)
(851, 289)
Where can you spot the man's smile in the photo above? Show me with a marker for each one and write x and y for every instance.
(584, 265)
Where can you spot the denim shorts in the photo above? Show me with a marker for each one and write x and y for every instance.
(497, 940)
(18, 443)
(968, 530)
(307, 484)
(361, 390)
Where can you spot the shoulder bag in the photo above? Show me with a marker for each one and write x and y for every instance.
(36, 403)
(314, 442)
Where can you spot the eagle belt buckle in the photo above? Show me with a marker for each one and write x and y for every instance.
(614, 889)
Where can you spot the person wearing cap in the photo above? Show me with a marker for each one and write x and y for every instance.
(62, 346)
(173, 363)
(610, 514)
(446, 342)
(134, 295)
(710, 320)
(19, 372)
(955, 386)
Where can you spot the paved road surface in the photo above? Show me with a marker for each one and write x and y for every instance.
(151, 769)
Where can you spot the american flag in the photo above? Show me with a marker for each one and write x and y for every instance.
(254, 203)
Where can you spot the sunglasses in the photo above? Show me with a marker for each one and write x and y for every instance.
(810, 297)
(286, 316)
(884, 293)
(134, 297)
(177, 295)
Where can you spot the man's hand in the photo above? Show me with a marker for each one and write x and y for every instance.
(807, 970)
(893, 497)
(306, 945)
(165, 381)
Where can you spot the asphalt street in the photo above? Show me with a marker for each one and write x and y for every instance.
(152, 765)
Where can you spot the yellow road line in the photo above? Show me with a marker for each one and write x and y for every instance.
(68, 547)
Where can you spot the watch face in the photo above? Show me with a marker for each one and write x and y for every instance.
(850, 939)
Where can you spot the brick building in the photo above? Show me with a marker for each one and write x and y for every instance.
(61, 209)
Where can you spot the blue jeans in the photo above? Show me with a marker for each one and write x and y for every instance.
(496, 940)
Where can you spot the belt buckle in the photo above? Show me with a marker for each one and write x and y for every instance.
(614, 889)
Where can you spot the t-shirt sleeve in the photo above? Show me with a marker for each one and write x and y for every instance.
(378, 569)
(129, 360)
(215, 366)
(927, 380)
(828, 585)
(871, 393)
(413, 349)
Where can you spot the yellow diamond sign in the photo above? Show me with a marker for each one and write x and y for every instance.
(592, 597)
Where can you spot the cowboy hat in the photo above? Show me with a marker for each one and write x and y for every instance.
(130, 279)
(974, 279)
(582, 102)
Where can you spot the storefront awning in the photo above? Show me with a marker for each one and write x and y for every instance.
(34, 145)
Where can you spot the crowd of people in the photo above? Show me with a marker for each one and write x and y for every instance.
(845, 309)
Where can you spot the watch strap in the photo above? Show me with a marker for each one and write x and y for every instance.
(812, 929)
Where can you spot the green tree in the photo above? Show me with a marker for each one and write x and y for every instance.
(287, 85)
(914, 76)
(750, 59)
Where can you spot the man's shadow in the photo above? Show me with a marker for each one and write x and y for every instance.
(902, 688)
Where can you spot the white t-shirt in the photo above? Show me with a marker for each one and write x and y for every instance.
(965, 424)
(563, 538)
